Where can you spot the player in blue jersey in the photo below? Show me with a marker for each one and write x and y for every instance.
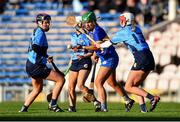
(36, 65)
(132, 36)
(109, 61)
(80, 68)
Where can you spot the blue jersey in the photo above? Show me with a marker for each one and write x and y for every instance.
(108, 56)
(100, 35)
(81, 40)
(39, 38)
(134, 40)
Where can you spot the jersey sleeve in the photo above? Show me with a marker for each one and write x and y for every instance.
(119, 37)
(39, 37)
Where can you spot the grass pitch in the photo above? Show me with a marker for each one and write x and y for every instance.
(85, 111)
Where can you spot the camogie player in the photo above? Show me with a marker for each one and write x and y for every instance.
(131, 35)
(80, 68)
(36, 65)
(109, 61)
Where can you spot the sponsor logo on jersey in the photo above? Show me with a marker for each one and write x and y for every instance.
(104, 62)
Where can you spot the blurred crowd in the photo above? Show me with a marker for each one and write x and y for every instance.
(147, 12)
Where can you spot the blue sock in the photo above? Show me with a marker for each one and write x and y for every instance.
(143, 107)
(103, 106)
(53, 102)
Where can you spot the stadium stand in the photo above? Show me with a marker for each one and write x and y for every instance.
(16, 27)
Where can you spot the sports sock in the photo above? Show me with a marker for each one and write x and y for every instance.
(126, 98)
(53, 102)
(143, 107)
(150, 96)
(103, 106)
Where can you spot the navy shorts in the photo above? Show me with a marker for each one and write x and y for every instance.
(144, 60)
(37, 70)
(84, 63)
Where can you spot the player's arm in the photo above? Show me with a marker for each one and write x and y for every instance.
(118, 38)
(37, 44)
(40, 50)
(105, 44)
(91, 47)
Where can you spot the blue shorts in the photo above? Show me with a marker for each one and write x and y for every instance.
(84, 63)
(110, 61)
(37, 70)
(144, 60)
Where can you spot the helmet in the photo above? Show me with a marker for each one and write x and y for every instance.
(128, 17)
(89, 16)
(42, 17)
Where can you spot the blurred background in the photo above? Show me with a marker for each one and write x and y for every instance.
(159, 19)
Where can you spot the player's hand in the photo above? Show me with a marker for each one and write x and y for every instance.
(50, 59)
(97, 45)
(79, 47)
(75, 49)
(80, 57)
(95, 58)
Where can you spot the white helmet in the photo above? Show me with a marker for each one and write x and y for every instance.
(128, 17)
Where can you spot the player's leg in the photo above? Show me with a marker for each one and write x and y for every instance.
(135, 78)
(142, 104)
(59, 82)
(88, 94)
(83, 75)
(120, 90)
(71, 90)
(103, 74)
(37, 88)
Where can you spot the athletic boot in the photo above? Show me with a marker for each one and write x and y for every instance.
(144, 111)
(128, 105)
(55, 108)
(104, 110)
(23, 109)
(97, 104)
(101, 110)
(98, 109)
(154, 103)
(71, 109)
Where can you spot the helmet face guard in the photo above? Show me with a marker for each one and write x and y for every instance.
(122, 19)
(42, 17)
